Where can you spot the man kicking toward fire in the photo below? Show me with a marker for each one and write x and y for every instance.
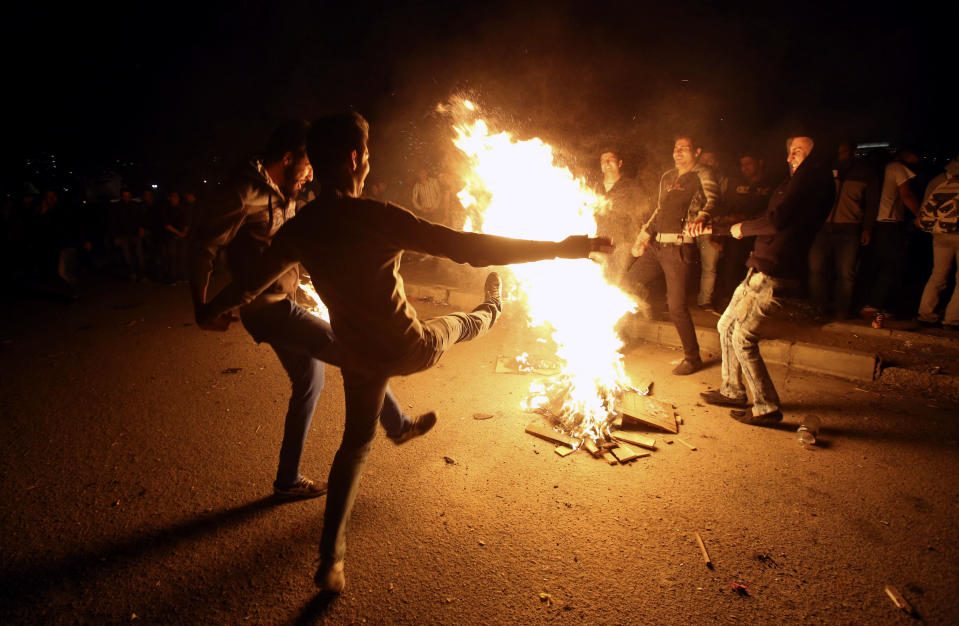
(352, 248)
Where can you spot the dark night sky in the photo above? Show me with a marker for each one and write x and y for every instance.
(172, 84)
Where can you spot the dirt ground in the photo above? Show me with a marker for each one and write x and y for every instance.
(136, 473)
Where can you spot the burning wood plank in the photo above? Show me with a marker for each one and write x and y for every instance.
(610, 457)
(544, 431)
(625, 454)
(591, 447)
(634, 438)
(647, 411)
(563, 450)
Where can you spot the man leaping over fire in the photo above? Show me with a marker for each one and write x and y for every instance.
(352, 249)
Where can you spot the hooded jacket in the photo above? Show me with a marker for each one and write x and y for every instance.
(242, 217)
(940, 208)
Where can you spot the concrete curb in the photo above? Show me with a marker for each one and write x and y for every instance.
(848, 364)
(890, 333)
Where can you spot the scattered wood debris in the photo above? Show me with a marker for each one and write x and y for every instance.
(625, 454)
(647, 411)
(232, 370)
(482, 416)
(523, 364)
(686, 443)
(897, 598)
(634, 438)
(563, 450)
(702, 548)
(543, 430)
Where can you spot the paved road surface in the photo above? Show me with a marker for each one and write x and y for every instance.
(135, 477)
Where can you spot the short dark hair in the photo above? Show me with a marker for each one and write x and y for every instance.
(288, 136)
(752, 153)
(694, 142)
(332, 138)
(613, 150)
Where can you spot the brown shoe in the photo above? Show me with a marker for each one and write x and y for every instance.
(687, 367)
(715, 397)
(300, 490)
(746, 417)
(419, 425)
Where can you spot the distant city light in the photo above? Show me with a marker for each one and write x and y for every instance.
(876, 144)
(154, 186)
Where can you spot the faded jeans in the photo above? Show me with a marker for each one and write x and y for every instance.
(945, 256)
(743, 365)
(836, 245)
(709, 253)
(303, 342)
(364, 397)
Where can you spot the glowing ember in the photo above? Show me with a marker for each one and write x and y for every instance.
(520, 192)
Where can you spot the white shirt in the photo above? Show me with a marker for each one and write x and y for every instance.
(890, 206)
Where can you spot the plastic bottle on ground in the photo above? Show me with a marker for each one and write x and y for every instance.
(809, 430)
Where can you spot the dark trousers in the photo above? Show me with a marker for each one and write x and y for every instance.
(303, 342)
(364, 399)
(732, 266)
(888, 263)
(834, 251)
(666, 259)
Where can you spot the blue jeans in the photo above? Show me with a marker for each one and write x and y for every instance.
(739, 343)
(303, 342)
(836, 245)
(365, 392)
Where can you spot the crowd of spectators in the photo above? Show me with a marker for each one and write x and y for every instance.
(52, 239)
(881, 253)
(873, 256)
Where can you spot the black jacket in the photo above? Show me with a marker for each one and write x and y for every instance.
(797, 209)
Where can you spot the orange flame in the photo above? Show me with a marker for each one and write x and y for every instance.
(521, 192)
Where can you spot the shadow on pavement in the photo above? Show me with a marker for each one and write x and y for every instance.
(316, 610)
(20, 586)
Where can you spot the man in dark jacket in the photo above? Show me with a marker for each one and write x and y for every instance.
(688, 196)
(352, 249)
(243, 218)
(621, 216)
(796, 208)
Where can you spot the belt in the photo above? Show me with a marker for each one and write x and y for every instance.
(669, 238)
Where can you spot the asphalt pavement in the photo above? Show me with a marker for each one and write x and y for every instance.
(138, 455)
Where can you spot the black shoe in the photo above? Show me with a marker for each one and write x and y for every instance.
(714, 397)
(687, 366)
(747, 417)
(493, 290)
(418, 426)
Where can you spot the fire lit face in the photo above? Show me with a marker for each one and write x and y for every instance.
(363, 169)
(610, 164)
(299, 172)
(750, 167)
(799, 149)
(684, 156)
